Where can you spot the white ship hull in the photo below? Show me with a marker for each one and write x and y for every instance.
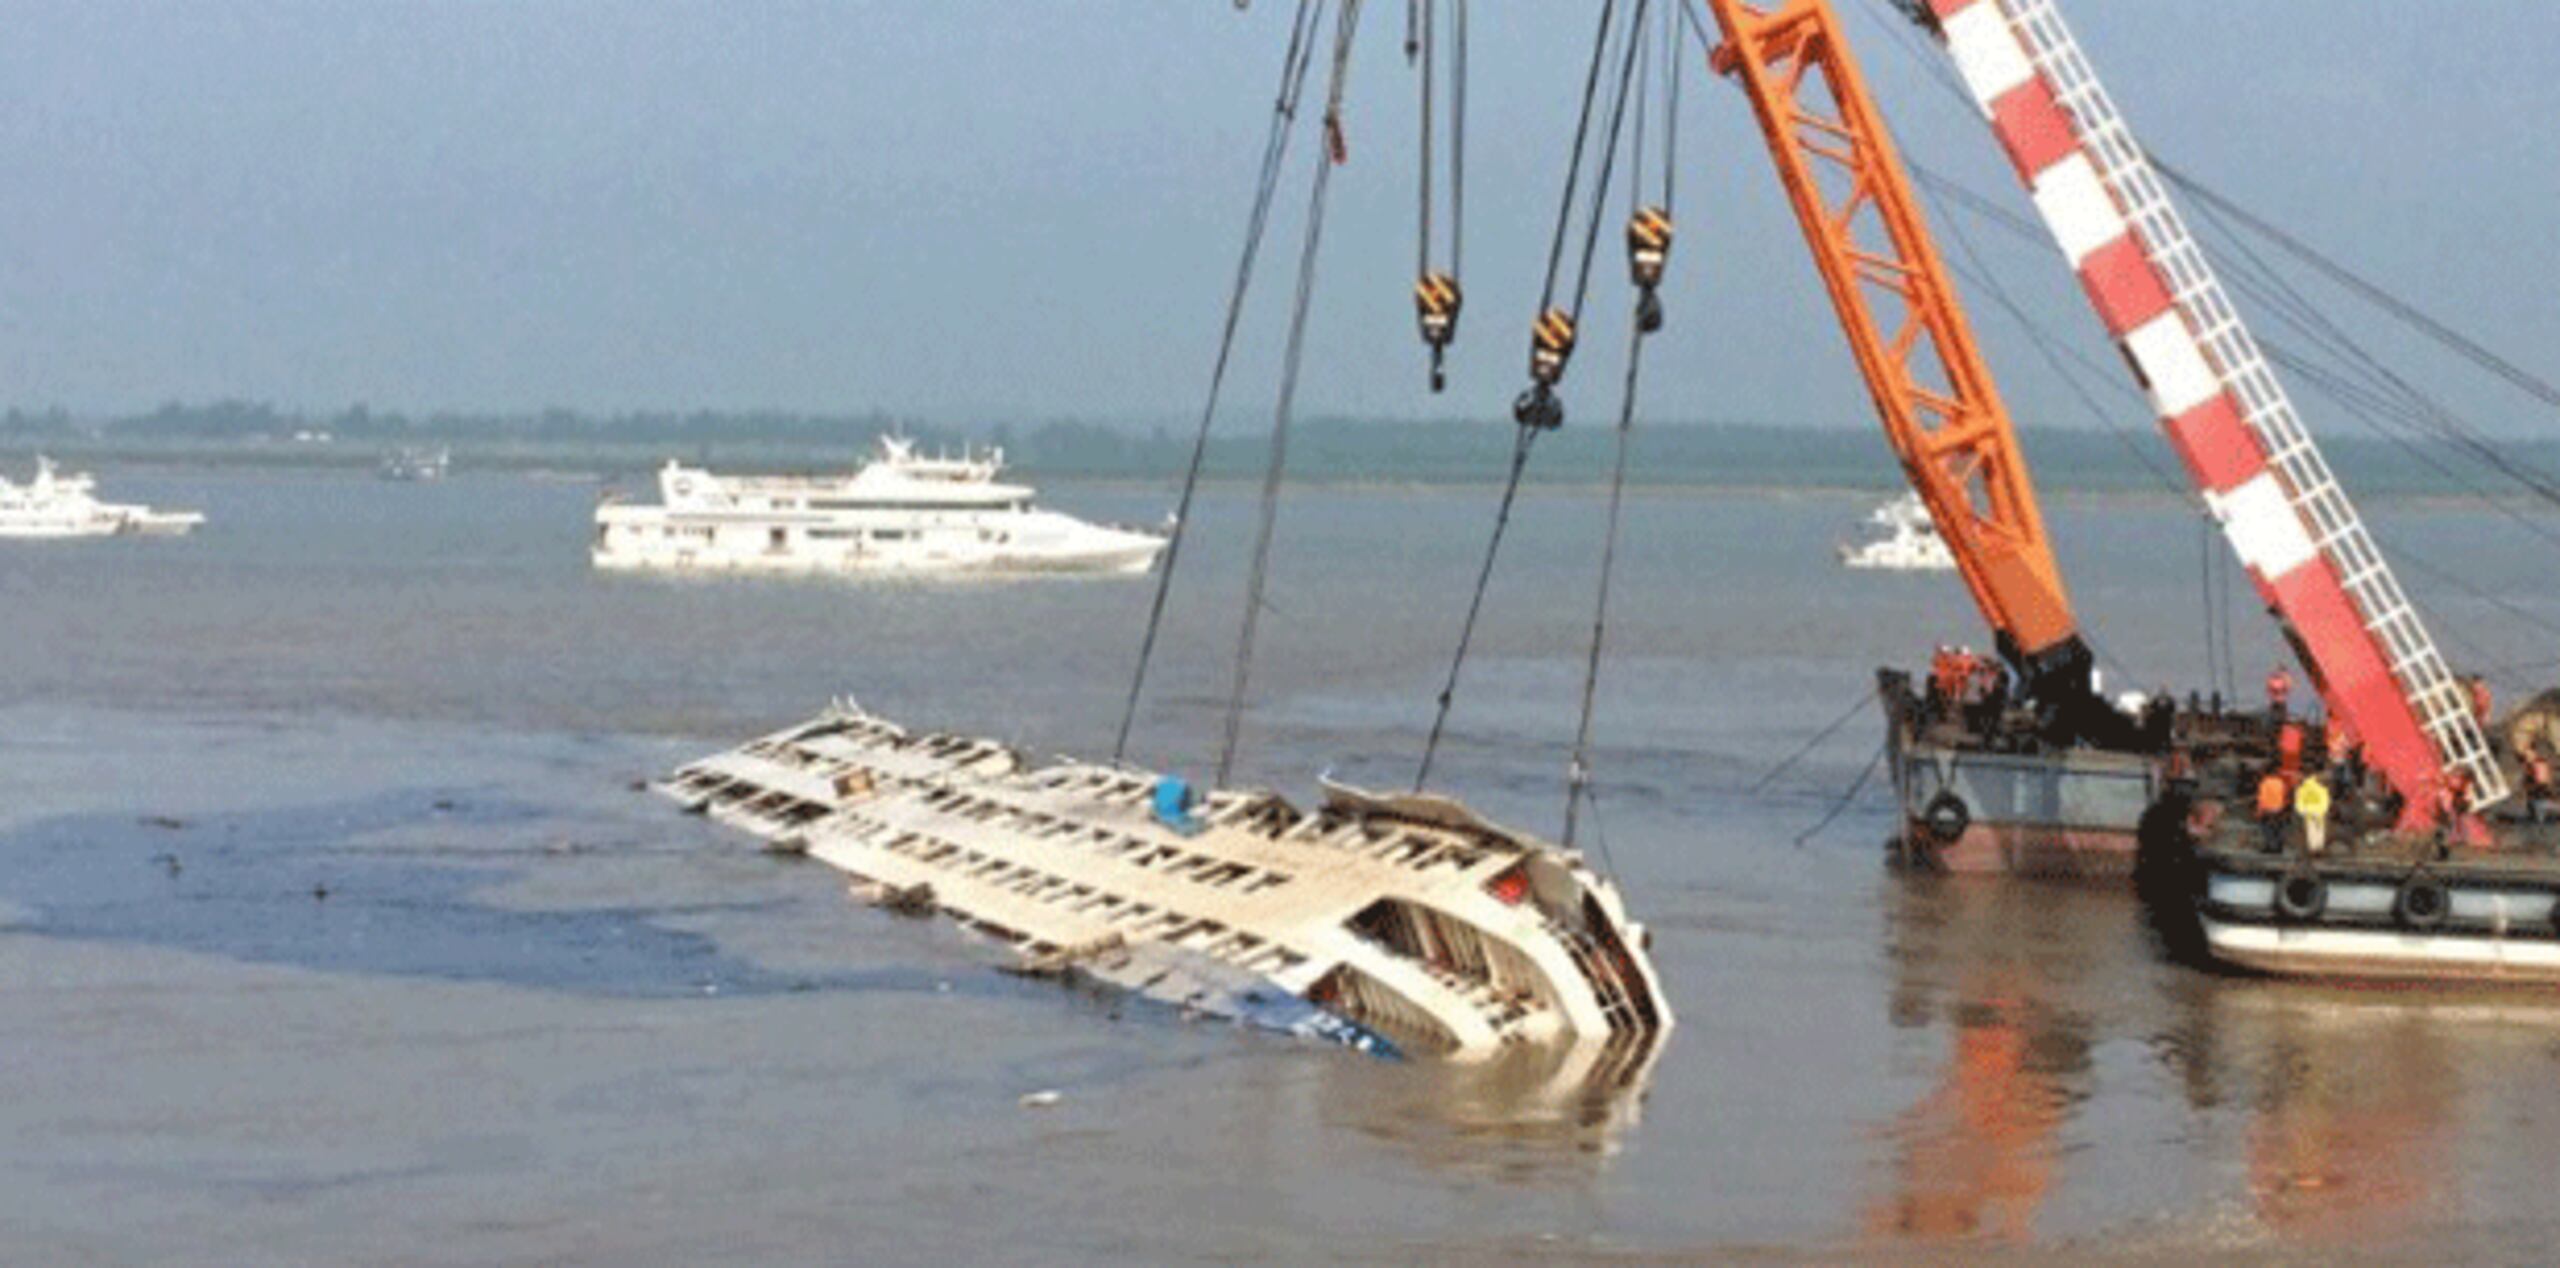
(1397, 921)
(1912, 543)
(901, 514)
(639, 538)
(55, 507)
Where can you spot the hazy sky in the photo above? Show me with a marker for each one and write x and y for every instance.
(975, 209)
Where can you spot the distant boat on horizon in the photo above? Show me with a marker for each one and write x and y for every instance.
(415, 463)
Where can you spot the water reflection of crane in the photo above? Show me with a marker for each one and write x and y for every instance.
(2354, 1109)
(2006, 973)
(2324, 1117)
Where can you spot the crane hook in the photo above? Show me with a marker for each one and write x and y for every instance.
(1436, 300)
(1550, 350)
(1648, 252)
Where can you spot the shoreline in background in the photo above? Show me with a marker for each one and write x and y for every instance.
(1326, 452)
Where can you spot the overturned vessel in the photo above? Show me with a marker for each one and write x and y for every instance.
(903, 512)
(1393, 923)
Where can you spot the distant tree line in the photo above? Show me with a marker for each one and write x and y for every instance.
(1330, 450)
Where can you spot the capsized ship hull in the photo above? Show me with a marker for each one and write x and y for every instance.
(1391, 923)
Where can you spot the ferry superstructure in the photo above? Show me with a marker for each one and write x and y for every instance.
(1393, 923)
(1911, 543)
(65, 504)
(901, 513)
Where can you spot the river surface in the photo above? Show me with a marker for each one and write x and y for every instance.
(332, 929)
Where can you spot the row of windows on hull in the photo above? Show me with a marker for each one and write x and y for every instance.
(779, 538)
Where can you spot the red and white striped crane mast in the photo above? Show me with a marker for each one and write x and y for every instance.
(2262, 476)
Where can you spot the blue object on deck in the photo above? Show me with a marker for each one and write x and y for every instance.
(1173, 806)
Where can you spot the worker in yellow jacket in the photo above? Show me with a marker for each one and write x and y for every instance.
(2311, 805)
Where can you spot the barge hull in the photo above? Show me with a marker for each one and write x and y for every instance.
(2383, 956)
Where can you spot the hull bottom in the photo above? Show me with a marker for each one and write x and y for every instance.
(2021, 849)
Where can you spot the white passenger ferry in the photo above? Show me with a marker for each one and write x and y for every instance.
(56, 504)
(1912, 543)
(902, 512)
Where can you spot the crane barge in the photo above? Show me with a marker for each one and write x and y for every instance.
(2390, 847)
(2046, 777)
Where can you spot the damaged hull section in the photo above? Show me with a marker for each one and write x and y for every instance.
(1390, 923)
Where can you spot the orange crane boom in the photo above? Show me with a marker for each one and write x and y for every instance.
(1913, 343)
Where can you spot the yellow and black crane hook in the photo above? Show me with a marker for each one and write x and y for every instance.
(1436, 300)
(1550, 351)
(1648, 252)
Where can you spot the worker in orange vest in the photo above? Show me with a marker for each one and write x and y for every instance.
(2289, 749)
(2279, 690)
(2274, 798)
(1946, 679)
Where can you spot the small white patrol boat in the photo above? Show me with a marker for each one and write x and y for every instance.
(1911, 543)
(413, 464)
(65, 504)
(1395, 924)
(901, 513)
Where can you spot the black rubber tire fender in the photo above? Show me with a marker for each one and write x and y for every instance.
(1946, 817)
(2301, 895)
(2422, 903)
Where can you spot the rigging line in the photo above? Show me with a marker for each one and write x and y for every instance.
(1430, 59)
(1697, 24)
(1275, 145)
(1643, 95)
(1672, 63)
(1977, 270)
(2215, 203)
(1346, 22)
(1458, 138)
(1600, 833)
(2230, 650)
(2500, 602)
(2443, 422)
(1829, 729)
(2381, 417)
(2204, 600)
(2384, 395)
(2372, 406)
(1847, 798)
(1573, 167)
(1578, 767)
(2372, 292)
(1484, 580)
(2375, 405)
(1608, 157)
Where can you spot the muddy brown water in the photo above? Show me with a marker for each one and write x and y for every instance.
(331, 931)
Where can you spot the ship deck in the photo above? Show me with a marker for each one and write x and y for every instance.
(1401, 919)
